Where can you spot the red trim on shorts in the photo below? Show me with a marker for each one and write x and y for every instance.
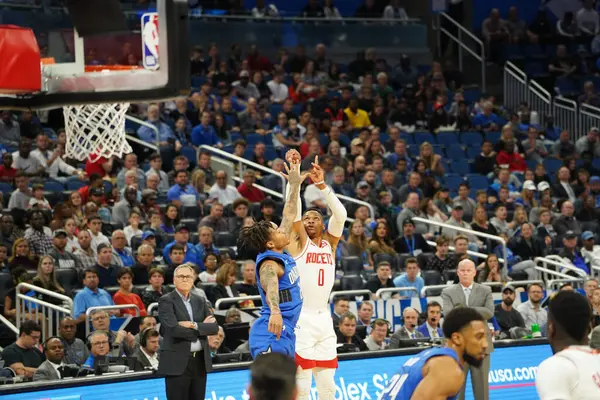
(310, 364)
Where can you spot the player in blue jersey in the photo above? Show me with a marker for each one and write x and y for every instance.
(437, 374)
(277, 277)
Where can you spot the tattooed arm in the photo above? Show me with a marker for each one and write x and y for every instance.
(290, 209)
(270, 272)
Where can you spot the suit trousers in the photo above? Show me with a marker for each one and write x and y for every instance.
(479, 380)
(191, 385)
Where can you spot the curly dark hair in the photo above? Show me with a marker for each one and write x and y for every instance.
(255, 237)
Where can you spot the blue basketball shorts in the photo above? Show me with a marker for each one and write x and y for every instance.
(263, 341)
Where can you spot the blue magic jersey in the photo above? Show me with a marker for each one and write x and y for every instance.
(405, 382)
(290, 304)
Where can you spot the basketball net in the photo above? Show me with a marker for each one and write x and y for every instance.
(95, 131)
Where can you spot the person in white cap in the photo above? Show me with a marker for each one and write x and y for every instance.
(590, 250)
(528, 196)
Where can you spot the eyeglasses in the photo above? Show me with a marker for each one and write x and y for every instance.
(185, 277)
(36, 337)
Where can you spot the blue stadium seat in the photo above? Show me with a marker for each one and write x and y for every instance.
(552, 165)
(323, 139)
(189, 153)
(473, 152)
(471, 138)
(384, 137)
(253, 138)
(235, 136)
(596, 163)
(472, 95)
(421, 137)
(460, 167)
(453, 180)
(198, 81)
(54, 186)
(478, 182)
(6, 188)
(413, 150)
(447, 138)
(275, 109)
(566, 85)
(531, 164)
(493, 137)
(407, 137)
(75, 184)
(535, 68)
(455, 152)
(271, 153)
(438, 149)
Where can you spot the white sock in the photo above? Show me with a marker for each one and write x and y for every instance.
(303, 383)
(325, 379)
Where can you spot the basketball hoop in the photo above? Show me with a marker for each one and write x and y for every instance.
(97, 130)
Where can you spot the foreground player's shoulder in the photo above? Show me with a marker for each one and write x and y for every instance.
(270, 265)
(556, 377)
(442, 377)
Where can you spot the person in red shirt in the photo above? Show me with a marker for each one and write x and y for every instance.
(256, 62)
(102, 166)
(510, 157)
(7, 172)
(124, 294)
(248, 190)
(96, 181)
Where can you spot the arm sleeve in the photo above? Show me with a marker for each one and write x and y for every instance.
(299, 208)
(338, 213)
(554, 380)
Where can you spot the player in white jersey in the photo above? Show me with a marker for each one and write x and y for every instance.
(573, 372)
(314, 250)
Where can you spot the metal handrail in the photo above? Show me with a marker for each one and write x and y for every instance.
(148, 125)
(546, 261)
(525, 282)
(340, 293)
(359, 202)
(226, 300)
(241, 160)
(545, 272)
(47, 292)
(262, 188)
(461, 45)
(425, 288)
(469, 252)
(92, 310)
(9, 324)
(470, 232)
(396, 289)
(151, 307)
(553, 282)
(46, 325)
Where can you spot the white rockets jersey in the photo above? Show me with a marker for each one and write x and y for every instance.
(572, 374)
(316, 265)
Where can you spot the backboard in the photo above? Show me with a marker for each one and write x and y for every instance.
(78, 82)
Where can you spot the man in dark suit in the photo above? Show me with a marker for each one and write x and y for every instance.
(431, 327)
(467, 293)
(186, 322)
(49, 370)
(411, 243)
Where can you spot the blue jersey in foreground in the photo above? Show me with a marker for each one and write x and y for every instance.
(290, 304)
(405, 382)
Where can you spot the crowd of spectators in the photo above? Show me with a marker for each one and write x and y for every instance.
(409, 144)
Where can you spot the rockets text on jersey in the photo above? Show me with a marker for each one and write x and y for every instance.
(316, 266)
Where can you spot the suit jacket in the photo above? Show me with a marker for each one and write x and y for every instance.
(521, 249)
(480, 299)
(400, 335)
(420, 243)
(423, 329)
(141, 357)
(46, 372)
(559, 192)
(177, 340)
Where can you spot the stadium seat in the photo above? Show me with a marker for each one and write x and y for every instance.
(438, 149)
(190, 212)
(455, 152)
(422, 137)
(473, 152)
(408, 138)
(432, 278)
(447, 138)
(478, 182)
(379, 257)
(6, 188)
(351, 282)
(271, 153)
(471, 139)
(189, 153)
(552, 165)
(351, 265)
(493, 137)
(191, 223)
(424, 259)
(401, 261)
(453, 180)
(6, 283)
(253, 138)
(54, 186)
(460, 167)
(235, 136)
(224, 239)
(136, 242)
(449, 275)
(68, 279)
(75, 184)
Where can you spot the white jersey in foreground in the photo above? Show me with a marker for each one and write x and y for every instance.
(572, 374)
(317, 274)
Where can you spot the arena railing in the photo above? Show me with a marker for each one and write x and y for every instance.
(45, 311)
(229, 300)
(552, 271)
(262, 188)
(152, 307)
(470, 232)
(540, 100)
(566, 115)
(342, 293)
(515, 86)
(91, 310)
(555, 283)
(514, 283)
(463, 33)
(379, 292)
(9, 325)
(139, 141)
(546, 272)
(469, 252)
(589, 117)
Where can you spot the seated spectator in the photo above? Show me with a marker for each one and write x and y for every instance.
(588, 21)
(500, 223)
(122, 343)
(215, 220)
(75, 350)
(94, 225)
(356, 245)
(133, 229)
(381, 280)
(99, 345)
(408, 331)
(566, 221)
(380, 242)
(38, 235)
(516, 27)
(527, 246)
(122, 210)
(147, 353)
(491, 271)
(182, 238)
(463, 199)
(532, 310)
(46, 278)
(21, 256)
(60, 253)
(165, 133)
(413, 186)
(124, 294)
(182, 193)
(378, 334)
(365, 315)
(456, 219)
(441, 260)
(347, 339)
(38, 201)
(131, 164)
(216, 343)
(395, 11)
(508, 157)
(84, 254)
(564, 148)
(7, 172)
(204, 133)
(23, 356)
(248, 285)
(410, 242)
(590, 251)
(248, 190)
(226, 277)
(506, 316)
(205, 245)
(409, 279)
(122, 255)
(221, 191)
(156, 289)
(571, 253)
(26, 162)
(209, 275)
(431, 327)
(486, 120)
(534, 148)
(170, 219)
(341, 306)
(589, 144)
(563, 189)
(279, 90)
(357, 117)
(240, 211)
(107, 271)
